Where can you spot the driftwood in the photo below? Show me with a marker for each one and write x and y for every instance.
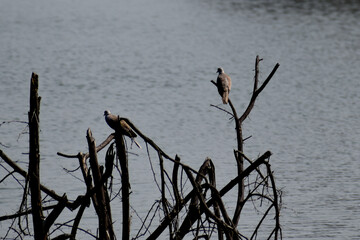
(197, 209)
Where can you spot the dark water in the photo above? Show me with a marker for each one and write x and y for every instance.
(152, 61)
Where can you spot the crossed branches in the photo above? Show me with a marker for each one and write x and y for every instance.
(177, 208)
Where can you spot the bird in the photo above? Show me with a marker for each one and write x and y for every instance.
(120, 125)
(223, 84)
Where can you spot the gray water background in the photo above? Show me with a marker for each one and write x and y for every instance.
(152, 61)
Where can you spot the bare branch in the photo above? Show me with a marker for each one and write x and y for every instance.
(256, 92)
(183, 208)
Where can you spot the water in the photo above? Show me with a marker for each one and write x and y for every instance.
(152, 61)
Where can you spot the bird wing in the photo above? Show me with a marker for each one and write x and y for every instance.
(228, 82)
(220, 85)
(225, 82)
(127, 129)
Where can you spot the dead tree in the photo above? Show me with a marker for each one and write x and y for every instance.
(34, 159)
(41, 224)
(189, 200)
(238, 127)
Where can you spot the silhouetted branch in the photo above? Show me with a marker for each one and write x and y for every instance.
(220, 108)
(20, 214)
(277, 228)
(105, 224)
(34, 159)
(256, 91)
(175, 180)
(125, 183)
(156, 147)
(49, 221)
(78, 217)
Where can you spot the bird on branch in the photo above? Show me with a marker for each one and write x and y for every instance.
(121, 126)
(223, 84)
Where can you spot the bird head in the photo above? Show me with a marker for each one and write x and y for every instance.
(220, 70)
(107, 112)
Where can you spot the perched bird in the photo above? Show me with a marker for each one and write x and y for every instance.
(120, 125)
(223, 84)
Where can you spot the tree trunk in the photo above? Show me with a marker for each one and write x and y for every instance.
(34, 159)
(125, 182)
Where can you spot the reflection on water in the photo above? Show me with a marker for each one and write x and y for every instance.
(153, 62)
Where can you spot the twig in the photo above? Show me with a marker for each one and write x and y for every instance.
(222, 109)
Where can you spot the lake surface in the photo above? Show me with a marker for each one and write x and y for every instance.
(152, 61)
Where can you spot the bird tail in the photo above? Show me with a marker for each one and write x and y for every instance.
(225, 97)
(137, 144)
